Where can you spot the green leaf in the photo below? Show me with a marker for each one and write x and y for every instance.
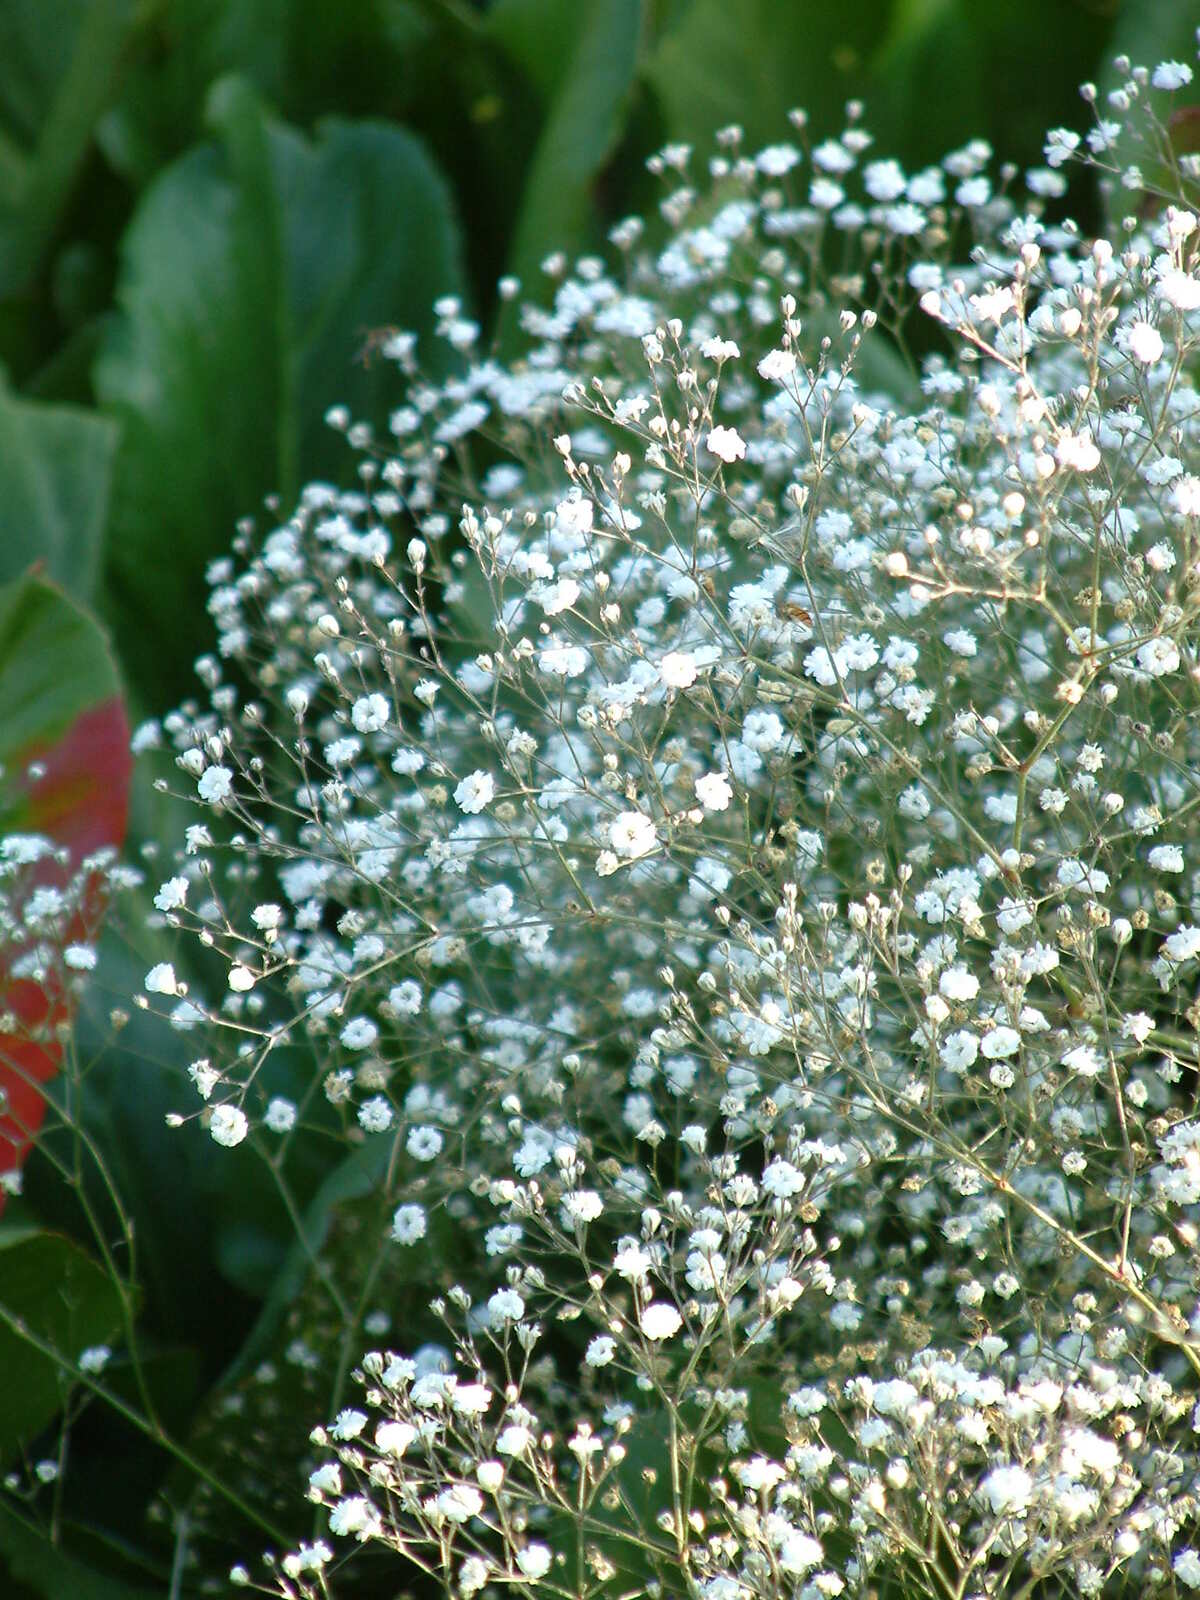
(582, 128)
(250, 275)
(60, 62)
(55, 475)
(46, 1570)
(540, 38)
(56, 675)
(753, 62)
(50, 1288)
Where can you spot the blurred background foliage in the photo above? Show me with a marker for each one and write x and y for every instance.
(206, 207)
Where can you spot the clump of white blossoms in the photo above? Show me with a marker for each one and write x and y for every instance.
(729, 828)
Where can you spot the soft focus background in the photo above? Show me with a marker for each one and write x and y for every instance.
(207, 210)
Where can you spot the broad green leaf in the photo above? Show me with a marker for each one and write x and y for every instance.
(583, 126)
(302, 55)
(65, 1303)
(60, 62)
(64, 773)
(45, 1569)
(55, 472)
(751, 63)
(540, 37)
(250, 276)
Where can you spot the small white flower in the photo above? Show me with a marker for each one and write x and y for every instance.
(1185, 496)
(1007, 1490)
(1157, 657)
(228, 1126)
(600, 1350)
(506, 1305)
(958, 984)
(632, 835)
(1171, 75)
(215, 786)
(370, 713)
(1166, 858)
(659, 1320)
(1077, 451)
(714, 791)
(777, 366)
(475, 792)
(172, 894)
(408, 1224)
(1145, 343)
(678, 670)
(726, 444)
(535, 1560)
(1001, 1042)
(161, 979)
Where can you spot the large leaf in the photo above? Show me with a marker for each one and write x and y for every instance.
(301, 54)
(54, 1303)
(583, 125)
(751, 63)
(250, 275)
(64, 773)
(44, 1569)
(59, 67)
(55, 472)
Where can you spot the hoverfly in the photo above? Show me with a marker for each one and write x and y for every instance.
(792, 612)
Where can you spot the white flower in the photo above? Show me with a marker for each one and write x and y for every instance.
(1007, 1490)
(726, 444)
(600, 1350)
(460, 1502)
(172, 894)
(677, 669)
(556, 597)
(424, 1143)
(713, 791)
(535, 1560)
(228, 1126)
(1077, 451)
(1001, 1042)
(1183, 944)
(161, 979)
(632, 835)
(215, 785)
(1186, 1567)
(408, 1224)
(474, 792)
(280, 1115)
(776, 367)
(659, 1320)
(356, 1516)
(563, 661)
(1145, 343)
(394, 1438)
(958, 984)
(1159, 656)
(1171, 75)
(1084, 1060)
(370, 713)
(799, 1553)
(506, 1305)
(1185, 496)
(1166, 858)
(1179, 289)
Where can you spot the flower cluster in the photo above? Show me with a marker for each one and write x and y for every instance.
(719, 798)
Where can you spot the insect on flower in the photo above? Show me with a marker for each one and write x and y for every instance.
(793, 612)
